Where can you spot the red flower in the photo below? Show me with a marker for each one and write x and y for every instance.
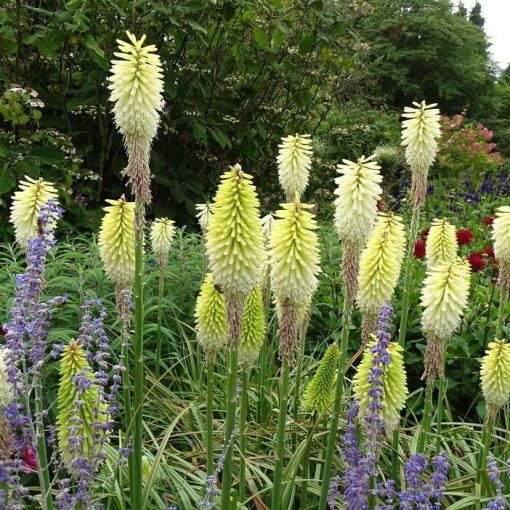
(29, 459)
(419, 249)
(3, 330)
(476, 262)
(464, 236)
(425, 233)
(489, 251)
(488, 221)
(380, 205)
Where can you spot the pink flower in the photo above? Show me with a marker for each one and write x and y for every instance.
(29, 459)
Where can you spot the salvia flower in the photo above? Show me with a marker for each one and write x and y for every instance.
(495, 376)
(320, 392)
(294, 162)
(380, 263)
(358, 191)
(441, 243)
(499, 502)
(161, 235)
(390, 368)
(26, 206)
(79, 407)
(420, 131)
(444, 298)
(294, 254)
(211, 318)
(234, 238)
(204, 215)
(136, 85)
(253, 329)
(117, 242)
(501, 234)
(6, 392)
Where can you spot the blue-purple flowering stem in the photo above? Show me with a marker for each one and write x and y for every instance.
(494, 476)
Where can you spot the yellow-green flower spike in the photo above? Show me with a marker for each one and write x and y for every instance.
(136, 86)
(358, 190)
(394, 385)
(441, 243)
(444, 298)
(117, 242)
(380, 263)
(253, 329)
(26, 205)
(495, 375)
(161, 235)
(420, 131)
(234, 237)
(204, 215)
(320, 392)
(6, 393)
(501, 234)
(211, 318)
(294, 252)
(76, 384)
(294, 162)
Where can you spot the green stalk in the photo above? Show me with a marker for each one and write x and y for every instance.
(426, 420)
(226, 480)
(137, 488)
(209, 418)
(161, 288)
(415, 221)
(42, 456)
(242, 435)
(440, 399)
(339, 390)
(501, 316)
(305, 463)
(280, 437)
(297, 390)
(482, 457)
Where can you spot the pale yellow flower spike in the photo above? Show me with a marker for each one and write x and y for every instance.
(501, 234)
(294, 163)
(441, 243)
(444, 297)
(26, 205)
(136, 89)
(117, 242)
(380, 263)
(358, 190)
(495, 375)
(161, 235)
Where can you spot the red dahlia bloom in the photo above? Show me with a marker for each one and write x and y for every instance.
(419, 249)
(464, 236)
(425, 233)
(476, 262)
(489, 251)
(488, 221)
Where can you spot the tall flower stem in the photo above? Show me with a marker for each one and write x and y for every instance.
(482, 457)
(280, 436)
(226, 481)
(501, 315)
(161, 288)
(209, 417)
(427, 419)
(297, 390)
(305, 463)
(42, 456)
(415, 221)
(242, 435)
(339, 390)
(138, 372)
(440, 402)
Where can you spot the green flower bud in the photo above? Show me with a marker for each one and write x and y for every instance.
(253, 330)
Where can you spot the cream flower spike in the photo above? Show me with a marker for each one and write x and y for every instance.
(420, 132)
(495, 375)
(294, 252)
(26, 205)
(441, 243)
(234, 237)
(161, 235)
(444, 298)
(117, 242)
(136, 89)
(358, 190)
(380, 263)
(204, 215)
(501, 234)
(294, 163)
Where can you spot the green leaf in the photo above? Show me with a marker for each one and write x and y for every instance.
(278, 38)
(7, 180)
(97, 52)
(220, 137)
(47, 155)
(307, 42)
(260, 37)
(200, 132)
